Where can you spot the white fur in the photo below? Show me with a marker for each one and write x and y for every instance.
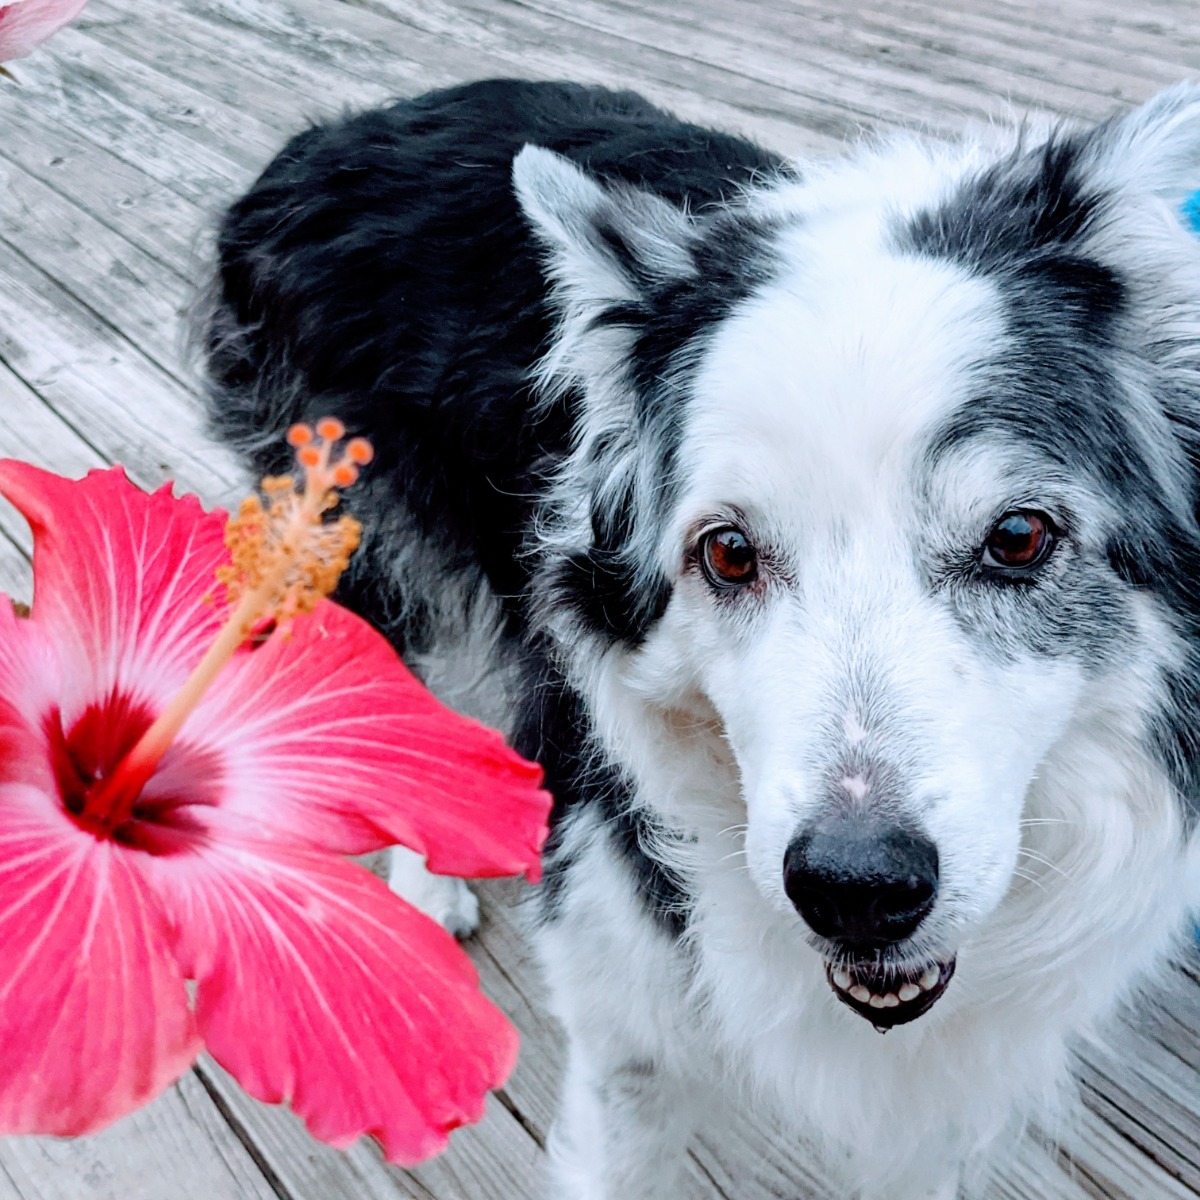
(1067, 877)
(448, 901)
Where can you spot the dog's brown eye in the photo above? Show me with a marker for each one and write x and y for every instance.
(728, 558)
(1019, 540)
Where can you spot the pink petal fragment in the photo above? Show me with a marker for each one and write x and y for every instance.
(94, 1020)
(29, 686)
(318, 986)
(27, 22)
(329, 740)
(119, 581)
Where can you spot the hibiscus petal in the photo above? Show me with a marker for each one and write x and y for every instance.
(94, 1018)
(26, 23)
(30, 682)
(328, 739)
(120, 578)
(318, 986)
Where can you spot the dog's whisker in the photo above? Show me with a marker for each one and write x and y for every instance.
(1026, 852)
(1037, 880)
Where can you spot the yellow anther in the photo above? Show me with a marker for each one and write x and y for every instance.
(300, 434)
(360, 451)
(331, 429)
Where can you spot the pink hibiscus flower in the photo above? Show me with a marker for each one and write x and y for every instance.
(145, 841)
(25, 23)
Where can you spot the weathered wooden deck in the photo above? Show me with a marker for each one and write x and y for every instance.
(127, 135)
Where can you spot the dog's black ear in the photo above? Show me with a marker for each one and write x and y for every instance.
(609, 244)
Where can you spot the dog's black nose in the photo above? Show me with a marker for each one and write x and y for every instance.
(862, 883)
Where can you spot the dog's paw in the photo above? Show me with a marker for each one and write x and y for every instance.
(459, 910)
(449, 901)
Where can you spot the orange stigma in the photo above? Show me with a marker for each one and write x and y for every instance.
(285, 559)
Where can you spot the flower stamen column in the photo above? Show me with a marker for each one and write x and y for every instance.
(286, 558)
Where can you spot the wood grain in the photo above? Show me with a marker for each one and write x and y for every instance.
(179, 1148)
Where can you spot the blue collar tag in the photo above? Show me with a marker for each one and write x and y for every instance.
(1191, 212)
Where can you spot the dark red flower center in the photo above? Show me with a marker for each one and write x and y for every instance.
(161, 817)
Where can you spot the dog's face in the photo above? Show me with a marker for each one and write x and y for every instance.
(891, 476)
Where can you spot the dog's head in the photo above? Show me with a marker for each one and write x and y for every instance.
(887, 479)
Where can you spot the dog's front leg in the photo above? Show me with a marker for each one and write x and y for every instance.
(449, 901)
(622, 1130)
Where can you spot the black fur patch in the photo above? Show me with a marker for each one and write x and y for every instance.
(1021, 224)
(1025, 214)
(600, 585)
(380, 271)
(606, 583)
(554, 732)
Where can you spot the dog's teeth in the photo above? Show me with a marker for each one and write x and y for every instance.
(909, 991)
(878, 1002)
(930, 978)
(841, 977)
(891, 1000)
(860, 993)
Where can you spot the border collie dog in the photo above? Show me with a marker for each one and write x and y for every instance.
(829, 532)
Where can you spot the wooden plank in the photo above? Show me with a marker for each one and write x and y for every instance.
(234, 135)
(329, 60)
(509, 974)
(348, 40)
(1035, 1170)
(305, 1169)
(16, 575)
(170, 132)
(413, 55)
(873, 77)
(1085, 23)
(141, 298)
(1169, 31)
(119, 401)
(553, 50)
(1111, 1168)
(977, 36)
(1174, 1018)
(494, 1160)
(178, 1148)
(255, 76)
(953, 67)
(8, 1185)
(1149, 1097)
(96, 181)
